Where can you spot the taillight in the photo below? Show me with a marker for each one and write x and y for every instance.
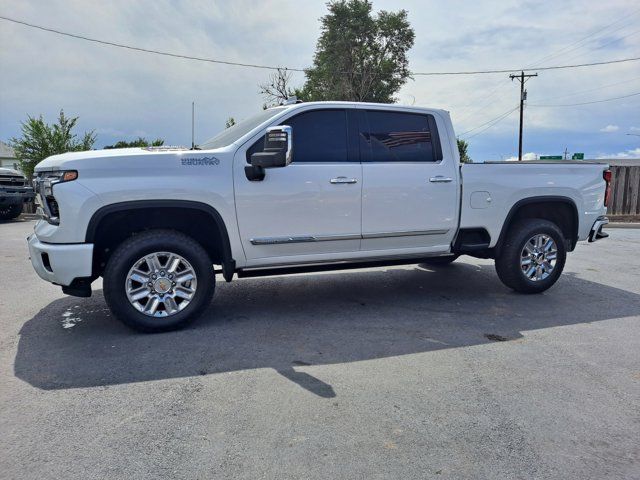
(607, 193)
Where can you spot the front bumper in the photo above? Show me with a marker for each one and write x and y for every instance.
(16, 195)
(596, 232)
(60, 263)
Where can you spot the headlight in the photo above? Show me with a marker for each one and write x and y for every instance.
(51, 178)
(45, 182)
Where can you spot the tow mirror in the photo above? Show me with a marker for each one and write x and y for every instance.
(277, 148)
(277, 152)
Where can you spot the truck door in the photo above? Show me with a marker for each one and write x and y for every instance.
(410, 194)
(309, 210)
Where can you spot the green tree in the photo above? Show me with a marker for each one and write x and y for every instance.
(359, 56)
(139, 142)
(40, 140)
(463, 146)
(230, 122)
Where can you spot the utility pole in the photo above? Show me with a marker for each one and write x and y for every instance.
(522, 78)
(193, 123)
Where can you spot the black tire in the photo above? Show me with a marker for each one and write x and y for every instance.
(132, 250)
(440, 261)
(508, 263)
(9, 212)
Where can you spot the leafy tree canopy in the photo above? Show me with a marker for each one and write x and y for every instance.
(359, 56)
(40, 140)
(463, 146)
(139, 142)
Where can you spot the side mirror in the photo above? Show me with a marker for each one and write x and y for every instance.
(277, 148)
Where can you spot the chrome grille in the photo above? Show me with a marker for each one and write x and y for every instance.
(12, 181)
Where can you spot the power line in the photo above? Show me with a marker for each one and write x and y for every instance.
(567, 48)
(562, 51)
(599, 47)
(503, 114)
(554, 54)
(586, 103)
(591, 89)
(497, 120)
(145, 50)
(510, 70)
(271, 67)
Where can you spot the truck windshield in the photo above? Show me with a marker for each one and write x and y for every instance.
(231, 134)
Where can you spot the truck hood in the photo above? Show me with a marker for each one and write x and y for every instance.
(126, 157)
(10, 172)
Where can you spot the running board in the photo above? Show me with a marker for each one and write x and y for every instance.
(266, 272)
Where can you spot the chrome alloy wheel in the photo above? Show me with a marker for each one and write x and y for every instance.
(538, 257)
(161, 284)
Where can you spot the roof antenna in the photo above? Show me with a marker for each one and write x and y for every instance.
(193, 116)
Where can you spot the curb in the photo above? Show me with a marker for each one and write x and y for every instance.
(622, 225)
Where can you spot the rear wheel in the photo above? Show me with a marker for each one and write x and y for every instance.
(7, 212)
(533, 256)
(159, 280)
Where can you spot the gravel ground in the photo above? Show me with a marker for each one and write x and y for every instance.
(402, 372)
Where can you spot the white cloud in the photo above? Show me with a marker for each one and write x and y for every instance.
(525, 156)
(633, 153)
(635, 129)
(610, 128)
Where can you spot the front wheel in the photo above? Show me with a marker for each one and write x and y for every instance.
(532, 257)
(158, 281)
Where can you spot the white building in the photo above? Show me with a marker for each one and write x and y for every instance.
(7, 157)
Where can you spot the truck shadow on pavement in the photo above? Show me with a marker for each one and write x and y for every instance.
(292, 323)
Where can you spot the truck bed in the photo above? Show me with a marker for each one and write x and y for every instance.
(543, 162)
(491, 189)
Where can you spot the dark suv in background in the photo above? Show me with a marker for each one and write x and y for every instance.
(15, 190)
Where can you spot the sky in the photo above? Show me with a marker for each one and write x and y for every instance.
(123, 94)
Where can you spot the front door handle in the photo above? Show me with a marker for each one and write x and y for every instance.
(339, 180)
(440, 179)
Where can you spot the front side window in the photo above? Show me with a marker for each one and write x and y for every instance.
(398, 137)
(319, 136)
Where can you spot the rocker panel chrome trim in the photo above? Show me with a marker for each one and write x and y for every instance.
(333, 238)
(412, 233)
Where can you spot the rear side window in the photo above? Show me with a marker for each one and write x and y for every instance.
(399, 137)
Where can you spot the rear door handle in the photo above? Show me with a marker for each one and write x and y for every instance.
(440, 179)
(339, 180)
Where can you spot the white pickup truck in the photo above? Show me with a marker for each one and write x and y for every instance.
(302, 187)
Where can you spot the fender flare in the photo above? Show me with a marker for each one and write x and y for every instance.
(228, 263)
(539, 199)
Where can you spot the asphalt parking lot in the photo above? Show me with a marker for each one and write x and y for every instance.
(401, 373)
